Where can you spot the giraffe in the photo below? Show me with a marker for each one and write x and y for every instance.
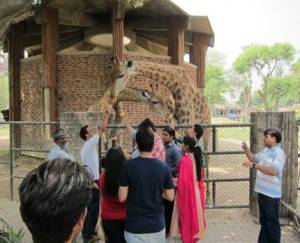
(120, 74)
(191, 105)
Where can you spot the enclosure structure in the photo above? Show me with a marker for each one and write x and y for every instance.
(68, 45)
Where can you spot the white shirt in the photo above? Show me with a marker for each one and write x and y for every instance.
(58, 153)
(89, 155)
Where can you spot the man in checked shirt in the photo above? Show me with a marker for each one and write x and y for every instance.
(269, 164)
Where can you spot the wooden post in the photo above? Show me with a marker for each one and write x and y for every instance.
(286, 123)
(118, 28)
(16, 53)
(176, 45)
(49, 47)
(198, 51)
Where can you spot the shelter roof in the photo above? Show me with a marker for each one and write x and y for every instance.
(15, 11)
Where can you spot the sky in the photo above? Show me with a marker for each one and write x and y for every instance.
(237, 23)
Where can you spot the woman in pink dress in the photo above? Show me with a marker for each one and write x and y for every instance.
(190, 213)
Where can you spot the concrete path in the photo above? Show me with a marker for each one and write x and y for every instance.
(234, 226)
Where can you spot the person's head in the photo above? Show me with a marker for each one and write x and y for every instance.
(53, 200)
(85, 133)
(189, 146)
(147, 123)
(59, 137)
(168, 134)
(272, 137)
(114, 160)
(145, 139)
(197, 131)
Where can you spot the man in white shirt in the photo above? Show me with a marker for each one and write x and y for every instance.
(90, 159)
(60, 150)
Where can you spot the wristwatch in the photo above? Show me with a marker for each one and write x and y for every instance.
(253, 166)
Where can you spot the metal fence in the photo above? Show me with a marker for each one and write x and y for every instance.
(227, 185)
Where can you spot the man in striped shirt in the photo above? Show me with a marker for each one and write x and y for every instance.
(269, 164)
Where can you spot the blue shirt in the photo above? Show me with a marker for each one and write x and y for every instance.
(173, 155)
(146, 179)
(59, 153)
(266, 184)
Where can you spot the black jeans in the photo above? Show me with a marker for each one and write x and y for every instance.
(269, 219)
(91, 218)
(114, 231)
(168, 214)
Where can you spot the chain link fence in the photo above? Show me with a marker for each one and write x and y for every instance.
(227, 184)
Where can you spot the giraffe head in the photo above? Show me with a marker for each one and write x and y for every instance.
(120, 74)
(160, 103)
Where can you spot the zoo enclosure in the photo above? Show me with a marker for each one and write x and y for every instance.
(228, 181)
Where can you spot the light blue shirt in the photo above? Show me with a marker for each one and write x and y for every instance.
(266, 184)
(58, 153)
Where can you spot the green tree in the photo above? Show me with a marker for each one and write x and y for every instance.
(216, 86)
(266, 63)
(3, 92)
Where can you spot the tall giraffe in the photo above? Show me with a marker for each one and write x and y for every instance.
(190, 103)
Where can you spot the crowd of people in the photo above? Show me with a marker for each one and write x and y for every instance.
(154, 193)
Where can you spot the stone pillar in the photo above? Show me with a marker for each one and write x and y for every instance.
(286, 123)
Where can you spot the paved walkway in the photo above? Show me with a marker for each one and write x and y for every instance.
(235, 226)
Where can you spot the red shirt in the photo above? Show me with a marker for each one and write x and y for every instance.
(111, 208)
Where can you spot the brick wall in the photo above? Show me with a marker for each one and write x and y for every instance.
(82, 78)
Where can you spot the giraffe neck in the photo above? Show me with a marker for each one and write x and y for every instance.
(167, 75)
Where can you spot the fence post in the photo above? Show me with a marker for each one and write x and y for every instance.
(286, 123)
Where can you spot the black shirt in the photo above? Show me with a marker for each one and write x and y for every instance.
(146, 179)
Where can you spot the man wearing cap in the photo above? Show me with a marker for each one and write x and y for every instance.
(60, 150)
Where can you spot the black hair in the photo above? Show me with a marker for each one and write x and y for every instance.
(198, 129)
(146, 124)
(114, 160)
(83, 131)
(53, 197)
(145, 139)
(196, 150)
(273, 132)
(171, 131)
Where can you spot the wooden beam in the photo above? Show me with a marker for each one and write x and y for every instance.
(118, 28)
(49, 48)
(159, 24)
(176, 45)
(16, 53)
(198, 51)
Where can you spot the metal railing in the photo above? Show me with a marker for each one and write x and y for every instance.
(213, 150)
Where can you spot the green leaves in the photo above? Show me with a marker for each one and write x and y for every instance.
(216, 85)
(8, 234)
(271, 65)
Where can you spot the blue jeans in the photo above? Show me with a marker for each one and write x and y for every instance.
(91, 219)
(269, 219)
(158, 237)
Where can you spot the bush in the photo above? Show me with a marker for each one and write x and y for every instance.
(8, 234)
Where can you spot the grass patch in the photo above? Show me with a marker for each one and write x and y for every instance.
(237, 133)
(4, 131)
